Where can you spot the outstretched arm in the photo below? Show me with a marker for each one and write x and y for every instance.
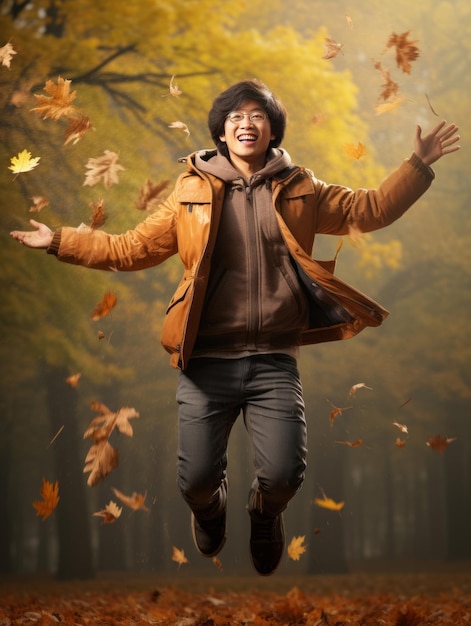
(440, 141)
(41, 237)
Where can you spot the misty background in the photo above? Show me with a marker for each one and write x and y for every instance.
(405, 502)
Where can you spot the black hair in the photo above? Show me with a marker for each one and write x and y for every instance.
(233, 97)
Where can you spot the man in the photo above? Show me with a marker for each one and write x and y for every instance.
(243, 219)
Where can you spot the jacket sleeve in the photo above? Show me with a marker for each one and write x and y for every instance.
(340, 209)
(150, 243)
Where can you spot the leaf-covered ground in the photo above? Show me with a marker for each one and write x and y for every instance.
(355, 600)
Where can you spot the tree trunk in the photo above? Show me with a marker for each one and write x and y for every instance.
(72, 517)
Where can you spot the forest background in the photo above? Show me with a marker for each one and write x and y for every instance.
(402, 503)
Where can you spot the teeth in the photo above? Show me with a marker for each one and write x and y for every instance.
(247, 138)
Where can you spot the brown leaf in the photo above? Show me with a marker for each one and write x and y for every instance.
(151, 195)
(336, 411)
(105, 306)
(399, 443)
(59, 102)
(390, 87)
(136, 501)
(76, 129)
(406, 50)
(439, 444)
(331, 48)
(104, 168)
(180, 126)
(110, 513)
(402, 427)
(73, 379)
(98, 213)
(101, 459)
(352, 444)
(39, 203)
(356, 387)
(50, 499)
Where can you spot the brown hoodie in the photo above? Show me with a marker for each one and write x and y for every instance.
(254, 301)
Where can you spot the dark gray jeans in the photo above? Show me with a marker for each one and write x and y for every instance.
(211, 394)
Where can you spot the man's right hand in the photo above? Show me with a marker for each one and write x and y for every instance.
(41, 237)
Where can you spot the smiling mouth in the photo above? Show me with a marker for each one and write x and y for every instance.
(247, 137)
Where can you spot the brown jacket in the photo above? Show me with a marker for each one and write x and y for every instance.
(187, 224)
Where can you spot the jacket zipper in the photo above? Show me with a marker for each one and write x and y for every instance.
(253, 261)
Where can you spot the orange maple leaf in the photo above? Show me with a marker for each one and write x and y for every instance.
(73, 379)
(179, 556)
(439, 443)
(355, 151)
(105, 306)
(406, 50)
(110, 513)
(136, 501)
(104, 168)
(328, 503)
(399, 443)
(58, 103)
(50, 499)
(296, 548)
(390, 87)
(336, 411)
(6, 53)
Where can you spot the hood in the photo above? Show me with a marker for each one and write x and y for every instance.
(213, 162)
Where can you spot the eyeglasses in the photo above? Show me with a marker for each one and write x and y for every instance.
(256, 116)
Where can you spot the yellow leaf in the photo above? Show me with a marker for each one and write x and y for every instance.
(179, 556)
(296, 548)
(328, 503)
(355, 151)
(387, 107)
(23, 162)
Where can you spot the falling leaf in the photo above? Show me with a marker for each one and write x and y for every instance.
(355, 151)
(296, 548)
(402, 427)
(136, 501)
(331, 48)
(151, 195)
(73, 379)
(399, 443)
(21, 95)
(430, 105)
(105, 306)
(405, 402)
(101, 334)
(179, 556)
(390, 87)
(76, 129)
(56, 435)
(336, 411)
(349, 21)
(328, 503)
(110, 513)
(217, 562)
(50, 499)
(98, 213)
(439, 444)
(354, 388)
(352, 444)
(387, 107)
(174, 90)
(180, 126)
(23, 162)
(6, 53)
(406, 50)
(104, 168)
(102, 458)
(58, 103)
(39, 203)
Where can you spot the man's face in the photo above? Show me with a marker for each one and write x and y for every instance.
(247, 134)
